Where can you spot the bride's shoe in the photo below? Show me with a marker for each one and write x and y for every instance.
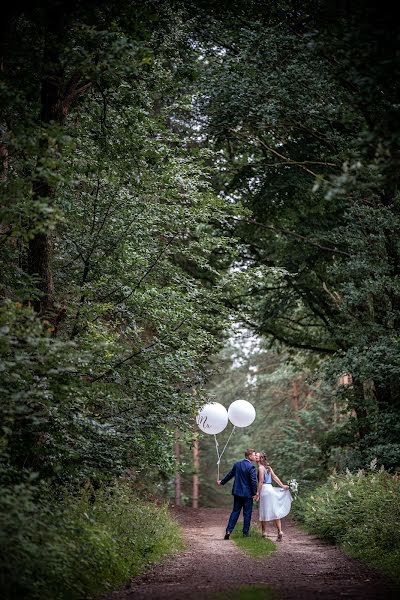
(280, 537)
(264, 534)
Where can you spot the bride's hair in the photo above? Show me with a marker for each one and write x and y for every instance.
(263, 460)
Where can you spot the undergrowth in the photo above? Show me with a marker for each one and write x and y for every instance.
(80, 546)
(360, 512)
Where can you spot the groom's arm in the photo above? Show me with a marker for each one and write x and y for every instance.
(253, 480)
(228, 476)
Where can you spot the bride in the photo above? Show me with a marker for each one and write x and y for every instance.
(274, 503)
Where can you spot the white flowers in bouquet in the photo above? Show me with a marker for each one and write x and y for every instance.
(294, 488)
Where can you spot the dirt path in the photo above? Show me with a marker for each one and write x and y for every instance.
(303, 567)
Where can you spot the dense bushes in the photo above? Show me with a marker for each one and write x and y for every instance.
(80, 546)
(361, 512)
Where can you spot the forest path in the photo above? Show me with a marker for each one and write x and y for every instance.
(303, 566)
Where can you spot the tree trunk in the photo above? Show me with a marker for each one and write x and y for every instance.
(4, 163)
(53, 110)
(56, 97)
(40, 264)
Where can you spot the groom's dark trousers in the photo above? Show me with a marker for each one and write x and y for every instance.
(243, 490)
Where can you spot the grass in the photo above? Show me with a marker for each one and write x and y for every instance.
(247, 592)
(254, 545)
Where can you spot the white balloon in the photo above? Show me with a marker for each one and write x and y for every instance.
(212, 418)
(241, 413)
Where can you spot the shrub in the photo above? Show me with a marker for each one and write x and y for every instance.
(81, 545)
(361, 512)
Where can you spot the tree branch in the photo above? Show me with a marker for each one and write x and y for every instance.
(134, 354)
(261, 330)
(296, 235)
(145, 274)
(285, 158)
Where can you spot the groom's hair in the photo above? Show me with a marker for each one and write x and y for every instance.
(248, 452)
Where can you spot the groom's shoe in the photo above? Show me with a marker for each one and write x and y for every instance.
(227, 534)
(245, 535)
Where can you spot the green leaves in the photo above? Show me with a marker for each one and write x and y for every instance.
(79, 545)
(301, 147)
(138, 253)
(345, 510)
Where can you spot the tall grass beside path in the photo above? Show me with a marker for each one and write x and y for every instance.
(80, 547)
(360, 512)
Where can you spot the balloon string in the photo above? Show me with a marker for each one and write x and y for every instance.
(234, 427)
(218, 456)
(223, 450)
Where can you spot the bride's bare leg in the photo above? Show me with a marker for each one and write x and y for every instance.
(264, 528)
(279, 528)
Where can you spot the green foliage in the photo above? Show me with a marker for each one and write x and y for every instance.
(297, 443)
(254, 545)
(55, 422)
(102, 372)
(247, 592)
(80, 545)
(314, 165)
(111, 299)
(168, 168)
(361, 512)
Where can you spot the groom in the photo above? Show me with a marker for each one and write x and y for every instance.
(244, 491)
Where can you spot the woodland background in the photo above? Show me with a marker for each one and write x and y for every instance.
(198, 200)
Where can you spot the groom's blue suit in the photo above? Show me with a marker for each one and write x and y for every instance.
(243, 490)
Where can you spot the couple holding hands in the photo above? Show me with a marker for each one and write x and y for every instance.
(274, 502)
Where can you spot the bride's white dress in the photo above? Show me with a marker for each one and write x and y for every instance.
(275, 502)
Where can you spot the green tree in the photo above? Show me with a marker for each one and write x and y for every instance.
(292, 431)
(113, 288)
(301, 109)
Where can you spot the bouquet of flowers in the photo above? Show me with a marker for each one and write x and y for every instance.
(293, 487)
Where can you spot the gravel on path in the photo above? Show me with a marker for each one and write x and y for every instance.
(304, 567)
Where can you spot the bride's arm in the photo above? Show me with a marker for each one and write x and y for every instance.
(278, 481)
(260, 480)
